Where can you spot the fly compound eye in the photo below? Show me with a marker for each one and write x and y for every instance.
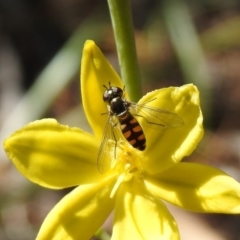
(106, 96)
(114, 90)
(117, 92)
(111, 93)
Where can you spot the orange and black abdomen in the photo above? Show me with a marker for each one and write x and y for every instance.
(132, 131)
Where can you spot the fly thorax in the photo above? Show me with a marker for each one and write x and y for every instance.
(118, 106)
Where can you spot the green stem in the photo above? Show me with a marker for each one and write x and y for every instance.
(120, 11)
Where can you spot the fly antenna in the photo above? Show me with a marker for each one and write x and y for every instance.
(109, 84)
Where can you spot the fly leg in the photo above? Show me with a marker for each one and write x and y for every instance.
(115, 140)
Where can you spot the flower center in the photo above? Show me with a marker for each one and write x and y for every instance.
(127, 163)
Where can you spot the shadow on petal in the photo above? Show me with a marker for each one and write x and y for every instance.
(196, 187)
(139, 215)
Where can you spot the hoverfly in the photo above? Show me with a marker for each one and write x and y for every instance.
(125, 113)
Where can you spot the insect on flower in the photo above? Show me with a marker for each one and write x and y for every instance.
(122, 118)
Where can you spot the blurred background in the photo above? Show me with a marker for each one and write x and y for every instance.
(178, 42)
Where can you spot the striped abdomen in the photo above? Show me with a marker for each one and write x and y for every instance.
(132, 131)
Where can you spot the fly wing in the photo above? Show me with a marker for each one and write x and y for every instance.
(107, 151)
(155, 116)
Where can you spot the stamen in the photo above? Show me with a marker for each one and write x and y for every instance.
(117, 184)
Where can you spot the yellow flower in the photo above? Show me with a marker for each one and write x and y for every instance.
(56, 156)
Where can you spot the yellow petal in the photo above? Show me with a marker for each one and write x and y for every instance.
(166, 146)
(197, 187)
(96, 71)
(80, 213)
(54, 155)
(138, 215)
